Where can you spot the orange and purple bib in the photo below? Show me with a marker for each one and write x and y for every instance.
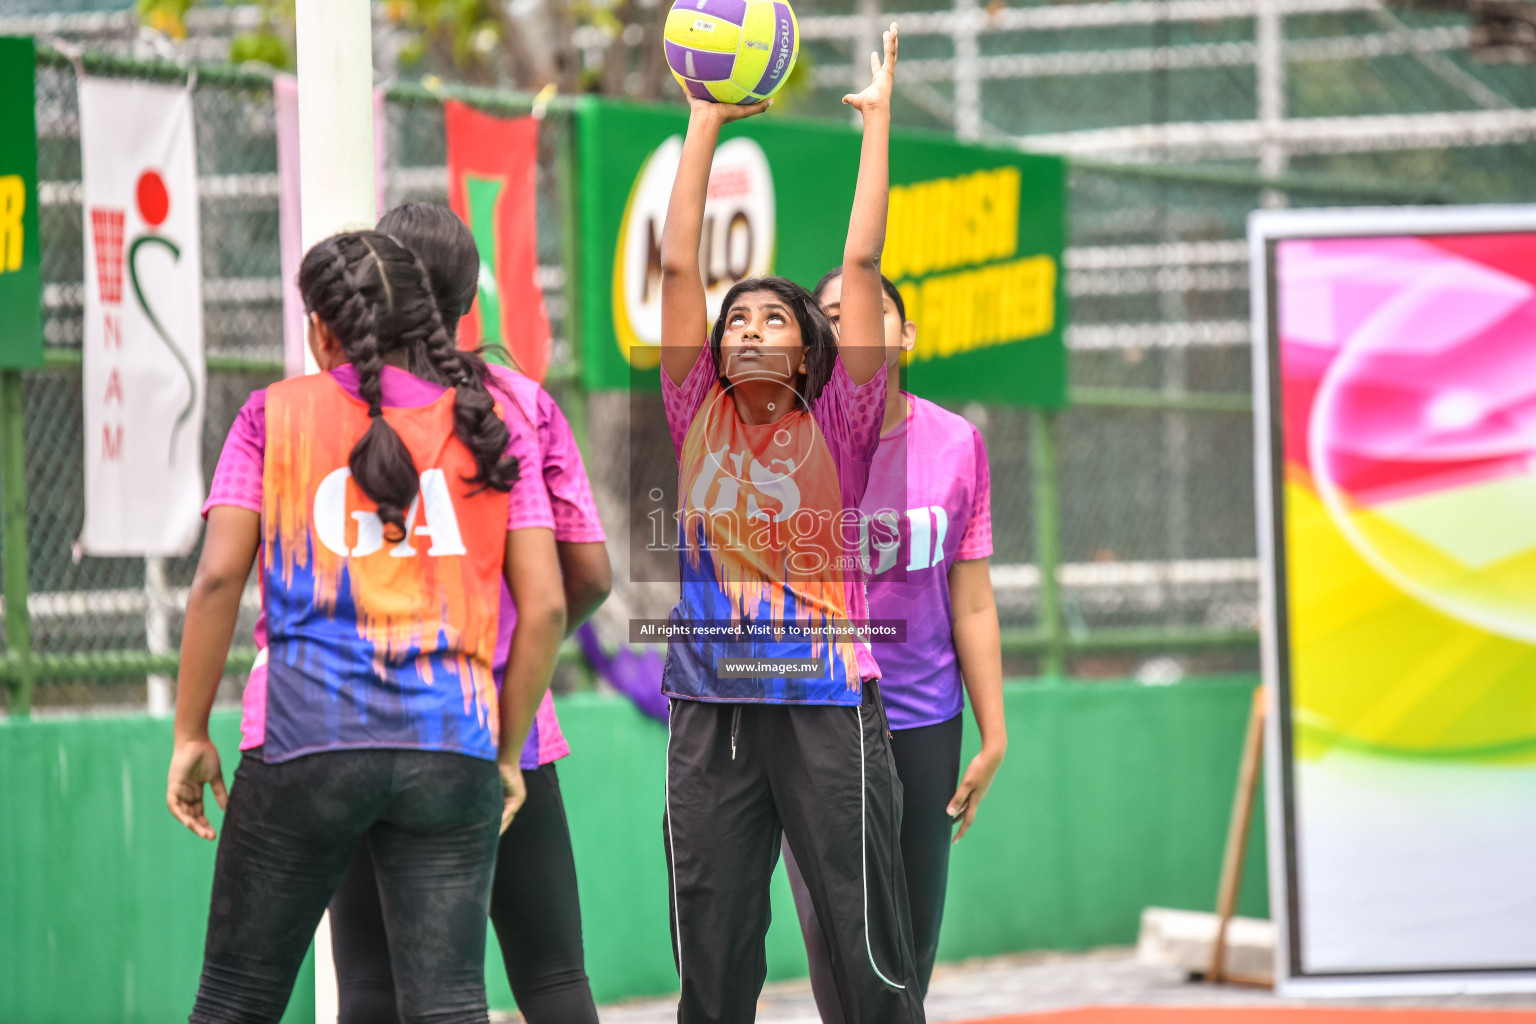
(374, 643)
(768, 538)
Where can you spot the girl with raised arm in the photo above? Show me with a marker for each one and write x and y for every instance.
(928, 512)
(388, 502)
(777, 727)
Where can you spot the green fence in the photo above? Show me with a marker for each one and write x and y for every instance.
(1123, 526)
(1112, 798)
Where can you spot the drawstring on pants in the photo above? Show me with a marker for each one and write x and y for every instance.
(735, 728)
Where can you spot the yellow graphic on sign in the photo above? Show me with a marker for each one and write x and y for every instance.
(944, 247)
(13, 203)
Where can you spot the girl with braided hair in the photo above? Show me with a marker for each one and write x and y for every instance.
(534, 903)
(385, 500)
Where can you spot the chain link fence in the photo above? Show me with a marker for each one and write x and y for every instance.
(1153, 546)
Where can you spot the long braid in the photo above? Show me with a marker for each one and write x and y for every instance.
(346, 283)
(475, 421)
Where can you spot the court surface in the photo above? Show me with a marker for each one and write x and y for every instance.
(1110, 987)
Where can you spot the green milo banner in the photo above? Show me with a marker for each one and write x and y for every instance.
(974, 242)
(21, 328)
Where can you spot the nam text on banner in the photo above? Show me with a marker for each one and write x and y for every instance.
(144, 376)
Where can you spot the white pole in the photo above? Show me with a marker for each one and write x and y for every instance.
(1269, 32)
(338, 193)
(157, 632)
(967, 80)
(336, 154)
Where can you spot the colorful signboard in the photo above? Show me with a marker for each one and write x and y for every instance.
(21, 287)
(974, 242)
(1396, 462)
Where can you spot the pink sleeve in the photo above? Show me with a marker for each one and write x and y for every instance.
(528, 507)
(565, 478)
(976, 542)
(851, 414)
(237, 479)
(682, 401)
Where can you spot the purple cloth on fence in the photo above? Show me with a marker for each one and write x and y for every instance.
(635, 674)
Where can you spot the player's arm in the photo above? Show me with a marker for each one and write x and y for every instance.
(979, 648)
(684, 320)
(532, 569)
(861, 336)
(213, 605)
(588, 577)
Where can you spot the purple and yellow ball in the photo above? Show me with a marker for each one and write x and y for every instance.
(731, 51)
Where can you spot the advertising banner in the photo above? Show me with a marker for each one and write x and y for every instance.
(290, 233)
(144, 374)
(21, 287)
(492, 186)
(1395, 390)
(974, 242)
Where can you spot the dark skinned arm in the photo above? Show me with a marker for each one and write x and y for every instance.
(979, 648)
(861, 333)
(532, 568)
(588, 577)
(229, 549)
(684, 316)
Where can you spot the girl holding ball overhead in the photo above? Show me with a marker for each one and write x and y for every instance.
(775, 418)
(929, 514)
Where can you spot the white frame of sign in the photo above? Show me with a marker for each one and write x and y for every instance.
(1266, 227)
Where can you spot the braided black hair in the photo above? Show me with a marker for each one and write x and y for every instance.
(376, 298)
(816, 333)
(443, 242)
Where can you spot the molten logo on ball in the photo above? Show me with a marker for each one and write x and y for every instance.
(731, 51)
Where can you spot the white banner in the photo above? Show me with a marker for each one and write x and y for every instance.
(144, 378)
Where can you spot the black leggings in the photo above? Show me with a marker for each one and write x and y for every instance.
(534, 908)
(928, 764)
(431, 821)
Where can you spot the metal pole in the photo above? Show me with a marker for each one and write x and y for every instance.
(336, 172)
(157, 633)
(338, 193)
(1042, 443)
(967, 80)
(18, 620)
(1269, 37)
(567, 167)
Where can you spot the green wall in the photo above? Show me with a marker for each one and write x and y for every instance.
(1113, 797)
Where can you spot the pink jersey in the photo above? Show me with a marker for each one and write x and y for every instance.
(575, 517)
(237, 481)
(766, 513)
(928, 506)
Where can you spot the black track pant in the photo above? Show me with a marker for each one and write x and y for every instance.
(534, 908)
(928, 763)
(738, 777)
(431, 819)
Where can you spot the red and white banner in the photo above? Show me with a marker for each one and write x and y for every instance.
(492, 174)
(285, 95)
(144, 375)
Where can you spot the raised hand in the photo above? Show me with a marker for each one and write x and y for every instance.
(724, 113)
(877, 94)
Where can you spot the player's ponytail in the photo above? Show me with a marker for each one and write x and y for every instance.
(343, 282)
(375, 298)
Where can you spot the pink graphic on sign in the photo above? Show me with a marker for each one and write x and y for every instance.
(107, 234)
(1411, 405)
